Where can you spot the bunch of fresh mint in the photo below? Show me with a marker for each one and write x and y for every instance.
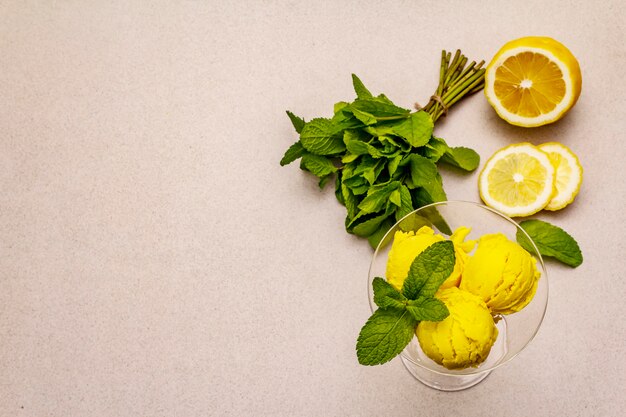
(383, 158)
(392, 326)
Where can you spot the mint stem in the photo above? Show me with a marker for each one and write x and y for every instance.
(455, 82)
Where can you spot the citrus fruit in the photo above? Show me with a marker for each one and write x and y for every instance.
(569, 174)
(533, 81)
(517, 180)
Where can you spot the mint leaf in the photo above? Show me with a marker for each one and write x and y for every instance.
(363, 116)
(375, 152)
(464, 158)
(297, 122)
(423, 170)
(356, 147)
(350, 201)
(377, 197)
(356, 137)
(383, 98)
(430, 192)
(369, 226)
(417, 129)
(340, 105)
(320, 137)
(355, 143)
(378, 107)
(395, 198)
(551, 241)
(394, 142)
(354, 182)
(406, 203)
(429, 270)
(319, 166)
(382, 129)
(372, 172)
(344, 119)
(359, 88)
(386, 296)
(428, 309)
(435, 189)
(392, 165)
(435, 148)
(360, 189)
(389, 150)
(424, 174)
(294, 152)
(384, 336)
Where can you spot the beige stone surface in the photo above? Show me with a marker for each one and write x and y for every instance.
(155, 260)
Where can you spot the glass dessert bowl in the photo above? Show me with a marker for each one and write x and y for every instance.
(515, 327)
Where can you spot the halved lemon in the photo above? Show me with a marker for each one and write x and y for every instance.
(517, 180)
(569, 174)
(533, 81)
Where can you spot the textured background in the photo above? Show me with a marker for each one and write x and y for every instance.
(155, 260)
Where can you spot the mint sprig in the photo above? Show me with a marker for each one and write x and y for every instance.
(392, 326)
(551, 241)
(384, 157)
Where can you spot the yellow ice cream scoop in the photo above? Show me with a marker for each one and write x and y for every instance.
(501, 273)
(408, 245)
(465, 337)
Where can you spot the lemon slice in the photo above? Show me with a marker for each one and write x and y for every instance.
(533, 81)
(569, 174)
(517, 180)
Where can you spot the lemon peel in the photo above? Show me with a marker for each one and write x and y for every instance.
(569, 174)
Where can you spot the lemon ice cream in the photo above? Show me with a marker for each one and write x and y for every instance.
(408, 245)
(462, 339)
(501, 273)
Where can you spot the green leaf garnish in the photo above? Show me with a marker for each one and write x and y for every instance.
(385, 295)
(369, 226)
(406, 203)
(428, 309)
(551, 241)
(319, 166)
(320, 137)
(429, 270)
(297, 122)
(417, 129)
(294, 152)
(359, 88)
(379, 108)
(392, 326)
(464, 158)
(377, 197)
(384, 336)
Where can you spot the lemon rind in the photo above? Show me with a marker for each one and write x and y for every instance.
(567, 196)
